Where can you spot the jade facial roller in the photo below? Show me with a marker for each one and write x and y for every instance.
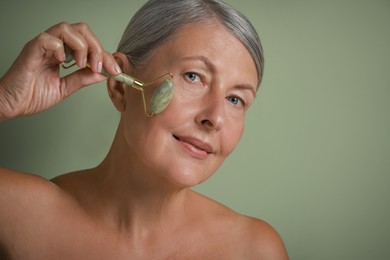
(160, 98)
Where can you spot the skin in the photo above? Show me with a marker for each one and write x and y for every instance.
(137, 204)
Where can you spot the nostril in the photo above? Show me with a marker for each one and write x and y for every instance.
(211, 116)
(207, 123)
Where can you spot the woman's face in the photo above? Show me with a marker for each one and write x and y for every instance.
(216, 81)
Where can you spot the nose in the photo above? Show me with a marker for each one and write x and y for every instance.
(212, 112)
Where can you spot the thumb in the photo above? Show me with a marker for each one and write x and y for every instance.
(79, 79)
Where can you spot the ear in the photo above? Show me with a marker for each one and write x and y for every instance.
(116, 89)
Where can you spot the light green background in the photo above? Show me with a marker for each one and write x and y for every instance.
(314, 160)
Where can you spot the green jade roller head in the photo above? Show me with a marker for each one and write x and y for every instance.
(160, 98)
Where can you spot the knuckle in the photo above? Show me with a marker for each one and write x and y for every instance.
(63, 26)
(42, 37)
(45, 40)
(59, 29)
(82, 26)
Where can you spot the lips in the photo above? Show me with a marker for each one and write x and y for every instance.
(194, 146)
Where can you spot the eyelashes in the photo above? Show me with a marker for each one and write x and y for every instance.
(197, 80)
(193, 76)
(236, 101)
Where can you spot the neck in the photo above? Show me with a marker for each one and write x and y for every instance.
(131, 195)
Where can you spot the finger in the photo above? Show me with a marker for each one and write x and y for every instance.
(111, 65)
(78, 80)
(73, 39)
(42, 49)
(95, 48)
(87, 48)
(96, 53)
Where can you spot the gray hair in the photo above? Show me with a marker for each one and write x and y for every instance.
(158, 20)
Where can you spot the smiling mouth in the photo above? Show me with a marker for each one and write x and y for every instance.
(195, 147)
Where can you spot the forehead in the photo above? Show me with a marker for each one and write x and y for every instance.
(212, 41)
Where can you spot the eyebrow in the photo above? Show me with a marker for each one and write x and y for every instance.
(212, 67)
(203, 59)
(247, 87)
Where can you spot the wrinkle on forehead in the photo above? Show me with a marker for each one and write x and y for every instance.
(189, 41)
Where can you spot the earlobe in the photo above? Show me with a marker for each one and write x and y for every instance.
(116, 90)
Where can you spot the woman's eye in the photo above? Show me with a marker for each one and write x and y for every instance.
(236, 101)
(192, 76)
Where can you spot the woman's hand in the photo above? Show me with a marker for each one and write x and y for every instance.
(33, 84)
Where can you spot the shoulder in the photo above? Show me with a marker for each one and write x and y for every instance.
(247, 237)
(22, 195)
(33, 207)
(32, 192)
(262, 240)
(14, 184)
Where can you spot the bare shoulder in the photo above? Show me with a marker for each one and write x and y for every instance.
(25, 191)
(241, 236)
(262, 240)
(14, 185)
(22, 195)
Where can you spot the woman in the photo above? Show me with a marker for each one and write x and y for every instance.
(137, 204)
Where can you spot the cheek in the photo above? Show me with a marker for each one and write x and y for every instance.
(231, 137)
(146, 139)
(180, 107)
(185, 106)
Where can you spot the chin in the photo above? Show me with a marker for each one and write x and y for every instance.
(189, 178)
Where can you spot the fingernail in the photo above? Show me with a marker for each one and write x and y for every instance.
(99, 66)
(117, 68)
(83, 63)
